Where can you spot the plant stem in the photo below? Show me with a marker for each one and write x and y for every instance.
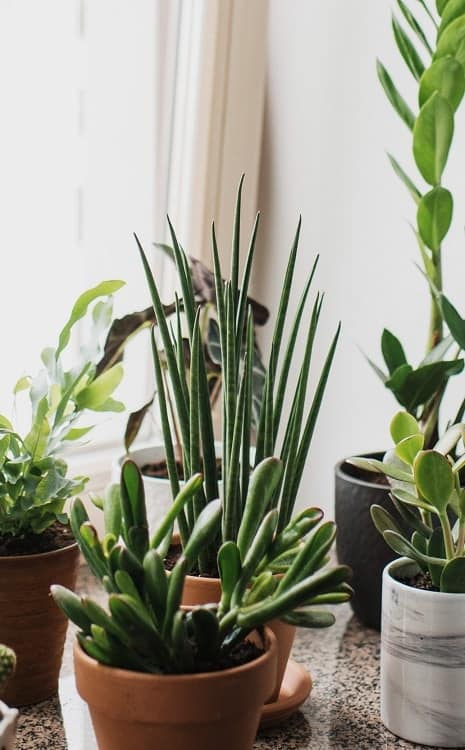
(435, 327)
(448, 538)
(461, 539)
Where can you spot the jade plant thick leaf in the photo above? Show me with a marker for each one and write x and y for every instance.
(284, 429)
(144, 627)
(429, 526)
(34, 484)
(430, 37)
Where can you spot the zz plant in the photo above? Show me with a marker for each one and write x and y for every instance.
(429, 499)
(145, 629)
(433, 49)
(34, 485)
(280, 430)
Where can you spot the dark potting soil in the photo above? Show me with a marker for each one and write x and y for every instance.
(419, 581)
(240, 654)
(55, 537)
(174, 553)
(158, 470)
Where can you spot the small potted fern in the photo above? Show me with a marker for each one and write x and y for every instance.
(36, 543)
(430, 38)
(423, 622)
(156, 674)
(280, 427)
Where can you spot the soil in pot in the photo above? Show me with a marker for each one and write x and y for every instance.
(419, 581)
(158, 469)
(30, 622)
(203, 711)
(55, 537)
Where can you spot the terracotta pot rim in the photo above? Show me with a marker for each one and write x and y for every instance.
(341, 474)
(269, 641)
(40, 555)
(440, 596)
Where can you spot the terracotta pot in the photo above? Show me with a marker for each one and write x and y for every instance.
(200, 590)
(176, 712)
(31, 623)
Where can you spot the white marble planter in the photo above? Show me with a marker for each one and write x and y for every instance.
(422, 661)
(8, 722)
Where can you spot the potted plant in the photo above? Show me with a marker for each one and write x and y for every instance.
(282, 429)
(151, 458)
(8, 716)
(36, 544)
(438, 70)
(158, 675)
(423, 623)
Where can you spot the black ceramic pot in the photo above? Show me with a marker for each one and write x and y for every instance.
(358, 543)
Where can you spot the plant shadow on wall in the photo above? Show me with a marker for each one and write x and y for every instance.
(431, 41)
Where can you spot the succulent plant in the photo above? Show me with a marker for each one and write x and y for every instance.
(7, 665)
(34, 485)
(429, 499)
(145, 629)
(431, 44)
(281, 430)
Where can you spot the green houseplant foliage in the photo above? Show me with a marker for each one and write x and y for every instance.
(145, 629)
(7, 665)
(283, 431)
(430, 502)
(432, 47)
(34, 485)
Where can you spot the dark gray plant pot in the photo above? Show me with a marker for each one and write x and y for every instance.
(358, 543)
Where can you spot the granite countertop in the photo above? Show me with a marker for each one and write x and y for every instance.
(342, 711)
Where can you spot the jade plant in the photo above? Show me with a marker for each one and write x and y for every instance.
(7, 665)
(433, 49)
(429, 527)
(144, 627)
(34, 484)
(282, 429)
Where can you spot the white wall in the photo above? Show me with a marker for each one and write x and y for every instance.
(327, 128)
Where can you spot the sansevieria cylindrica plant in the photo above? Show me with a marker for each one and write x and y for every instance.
(283, 429)
(430, 37)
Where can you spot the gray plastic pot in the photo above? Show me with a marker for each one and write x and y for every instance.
(358, 543)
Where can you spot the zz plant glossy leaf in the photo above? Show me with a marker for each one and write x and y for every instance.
(432, 137)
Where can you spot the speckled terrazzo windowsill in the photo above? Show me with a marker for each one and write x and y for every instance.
(341, 712)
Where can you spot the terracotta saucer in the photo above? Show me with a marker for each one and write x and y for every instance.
(295, 690)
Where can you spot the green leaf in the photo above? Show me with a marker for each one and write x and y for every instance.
(383, 520)
(22, 384)
(408, 448)
(396, 100)
(389, 469)
(413, 190)
(98, 392)
(453, 576)
(76, 433)
(451, 41)
(432, 137)
(403, 425)
(434, 216)
(454, 321)
(408, 498)
(446, 76)
(440, 6)
(407, 50)
(403, 547)
(310, 618)
(81, 306)
(436, 548)
(421, 384)
(393, 353)
(434, 478)
(414, 25)
(454, 9)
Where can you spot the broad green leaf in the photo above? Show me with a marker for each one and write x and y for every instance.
(454, 9)
(451, 41)
(393, 353)
(432, 136)
(434, 478)
(434, 216)
(76, 433)
(396, 100)
(82, 305)
(446, 76)
(453, 576)
(383, 520)
(409, 447)
(397, 381)
(98, 392)
(408, 498)
(22, 384)
(436, 548)
(5, 423)
(440, 6)
(413, 190)
(407, 50)
(402, 426)
(389, 469)
(454, 321)
(421, 384)
(403, 547)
